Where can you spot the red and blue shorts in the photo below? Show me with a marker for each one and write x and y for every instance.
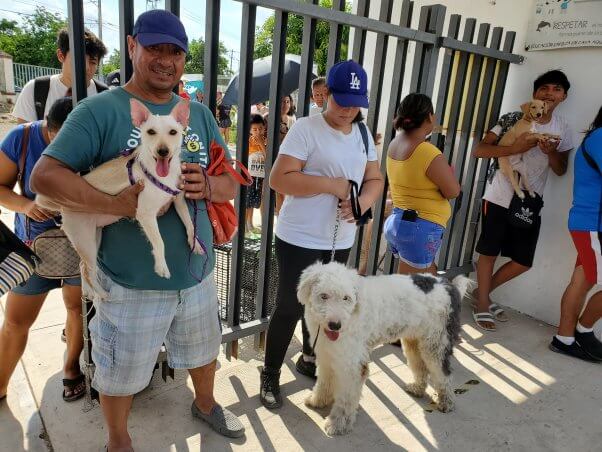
(589, 254)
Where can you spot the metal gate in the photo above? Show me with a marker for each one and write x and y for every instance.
(464, 77)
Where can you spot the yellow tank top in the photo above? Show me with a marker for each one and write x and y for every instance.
(412, 189)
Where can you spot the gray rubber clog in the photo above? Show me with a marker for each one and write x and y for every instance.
(222, 420)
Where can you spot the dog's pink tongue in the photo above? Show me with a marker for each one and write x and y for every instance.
(162, 167)
(332, 335)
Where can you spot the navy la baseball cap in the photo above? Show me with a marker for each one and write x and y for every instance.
(348, 83)
(159, 26)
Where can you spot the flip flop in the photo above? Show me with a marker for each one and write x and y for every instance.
(480, 317)
(71, 384)
(498, 313)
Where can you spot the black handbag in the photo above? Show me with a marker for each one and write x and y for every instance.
(524, 213)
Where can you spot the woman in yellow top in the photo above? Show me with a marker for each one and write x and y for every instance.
(421, 183)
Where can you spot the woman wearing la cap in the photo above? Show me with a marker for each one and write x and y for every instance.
(318, 157)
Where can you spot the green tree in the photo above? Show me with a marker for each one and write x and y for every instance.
(195, 59)
(264, 38)
(112, 63)
(35, 41)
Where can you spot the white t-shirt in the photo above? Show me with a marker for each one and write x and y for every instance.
(500, 191)
(314, 109)
(309, 221)
(25, 105)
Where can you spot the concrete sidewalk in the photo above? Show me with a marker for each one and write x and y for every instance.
(514, 394)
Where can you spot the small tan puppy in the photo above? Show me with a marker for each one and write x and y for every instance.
(156, 161)
(533, 112)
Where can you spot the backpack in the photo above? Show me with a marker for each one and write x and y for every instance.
(41, 86)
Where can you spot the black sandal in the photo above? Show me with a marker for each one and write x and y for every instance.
(71, 384)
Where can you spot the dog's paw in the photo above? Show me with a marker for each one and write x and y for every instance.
(196, 247)
(445, 403)
(312, 401)
(162, 271)
(415, 389)
(337, 425)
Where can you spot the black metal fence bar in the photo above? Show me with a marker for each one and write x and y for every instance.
(247, 44)
(427, 54)
(399, 67)
(79, 88)
(343, 18)
(359, 34)
(446, 72)
(334, 36)
(308, 44)
(126, 25)
(459, 221)
(478, 186)
(173, 6)
(452, 128)
(469, 47)
(212, 10)
(267, 219)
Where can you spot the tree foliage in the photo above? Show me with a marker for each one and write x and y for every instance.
(195, 59)
(264, 38)
(112, 63)
(33, 42)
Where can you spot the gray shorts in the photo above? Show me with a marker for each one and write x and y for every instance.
(129, 328)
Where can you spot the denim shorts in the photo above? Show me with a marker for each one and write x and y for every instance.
(130, 327)
(414, 242)
(37, 285)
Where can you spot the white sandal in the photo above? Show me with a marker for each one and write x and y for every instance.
(480, 317)
(498, 313)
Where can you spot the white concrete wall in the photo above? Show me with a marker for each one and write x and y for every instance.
(538, 292)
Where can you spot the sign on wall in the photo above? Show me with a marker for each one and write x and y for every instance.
(558, 24)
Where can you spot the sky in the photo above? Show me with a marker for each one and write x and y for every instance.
(192, 13)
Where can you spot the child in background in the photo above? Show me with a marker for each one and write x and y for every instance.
(319, 91)
(257, 145)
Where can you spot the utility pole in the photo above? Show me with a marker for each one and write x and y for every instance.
(98, 4)
(231, 56)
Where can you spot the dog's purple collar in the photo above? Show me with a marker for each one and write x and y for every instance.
(156, 182)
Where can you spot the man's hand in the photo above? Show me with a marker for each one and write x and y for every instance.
(547, 145)
(193, 182)
(38, 213)
(126, 202)
(524, 142)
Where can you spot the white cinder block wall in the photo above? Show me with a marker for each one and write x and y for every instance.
(538, 292)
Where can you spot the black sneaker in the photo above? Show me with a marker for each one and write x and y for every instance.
(269, 393)
(589, 344)
(573, 350)
(306, 368)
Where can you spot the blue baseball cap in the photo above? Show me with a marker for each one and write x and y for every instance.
(159, 26)
(348, 83)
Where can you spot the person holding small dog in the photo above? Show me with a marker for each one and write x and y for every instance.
(24, 302)
(317, 159)
(144, 310)
(498, 234)
(575, 335)
(422, 183)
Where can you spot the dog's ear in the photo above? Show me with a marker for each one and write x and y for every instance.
(525, 108)
(139, 112)
(181, 112)
(308, 278)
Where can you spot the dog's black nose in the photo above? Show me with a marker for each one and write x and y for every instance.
(334, 326)
(163, 152)
(538, 115)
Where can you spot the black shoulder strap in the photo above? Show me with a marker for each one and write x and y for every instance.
(41, 87)
(589, 159)
(364, 132)
(100, 87)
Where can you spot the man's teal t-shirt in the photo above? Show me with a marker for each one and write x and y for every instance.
(95, 132)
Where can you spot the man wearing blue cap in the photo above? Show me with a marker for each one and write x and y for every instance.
(143, 310)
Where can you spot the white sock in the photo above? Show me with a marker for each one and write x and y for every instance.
(309, 359)
(582, 329)
(566, 340)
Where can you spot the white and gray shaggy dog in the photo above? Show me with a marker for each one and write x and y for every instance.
(350, 315)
